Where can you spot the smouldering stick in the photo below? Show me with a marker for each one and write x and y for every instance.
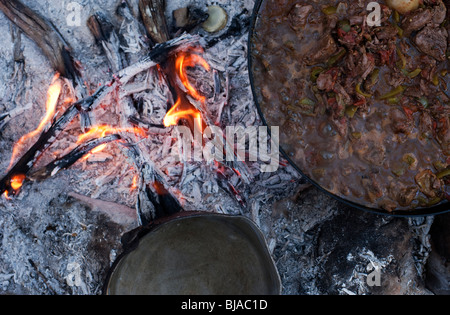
(70, 159)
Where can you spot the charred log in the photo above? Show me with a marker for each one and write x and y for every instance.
(44, 34)
(153, 16)
(26, 163)
(106, 37)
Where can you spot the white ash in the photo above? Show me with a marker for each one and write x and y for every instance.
(366, 263)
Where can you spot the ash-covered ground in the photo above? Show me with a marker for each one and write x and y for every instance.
(61, 235)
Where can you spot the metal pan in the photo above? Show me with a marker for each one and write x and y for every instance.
(196, 254)
(193, 253)
(435, 210)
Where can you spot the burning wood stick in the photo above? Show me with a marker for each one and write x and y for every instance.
(159, 54)
(44, 34)
(153, 16)
(26, 163)
(70, 159)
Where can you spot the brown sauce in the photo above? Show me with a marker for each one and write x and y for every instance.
(347, 133)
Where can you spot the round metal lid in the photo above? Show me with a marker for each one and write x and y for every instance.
(198, 255)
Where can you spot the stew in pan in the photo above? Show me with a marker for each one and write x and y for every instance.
(362, 100)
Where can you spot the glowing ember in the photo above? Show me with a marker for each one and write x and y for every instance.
(102, 131)
(5, 194)
(17, 181)
(159, 188)
(52, 100)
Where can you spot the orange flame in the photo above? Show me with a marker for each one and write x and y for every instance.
(134, 184)
(52, 100)
(190, 60)
(174, 115)
(5, 194)
(102, 131)
(182, 63)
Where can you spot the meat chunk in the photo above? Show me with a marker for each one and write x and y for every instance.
(386, 32)
(439, 12)
(372, 187)
(403, 194)
(417, 20)
(426, 125)
(376, 155)
(342, 94)
(429, 184)
(388, 205)
(298, 16)
(326, 81)
(360, 64)
(323, 51)
(428, 65)
(433, 42)
(400, 122)
(394, 79)
(341, 126)
(443, 134)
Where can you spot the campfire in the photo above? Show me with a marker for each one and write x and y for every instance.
(176, 68)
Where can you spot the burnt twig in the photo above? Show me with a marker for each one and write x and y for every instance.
(153, 16)
(70, 159)
(6, 117)
(105, 36)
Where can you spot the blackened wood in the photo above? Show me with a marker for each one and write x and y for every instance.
(70, 159)
(153, 16)
(100, 27)
(159, 54)
(164, 202)
(106, 37)
(44, 34)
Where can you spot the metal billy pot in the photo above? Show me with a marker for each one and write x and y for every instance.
(194, 253)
